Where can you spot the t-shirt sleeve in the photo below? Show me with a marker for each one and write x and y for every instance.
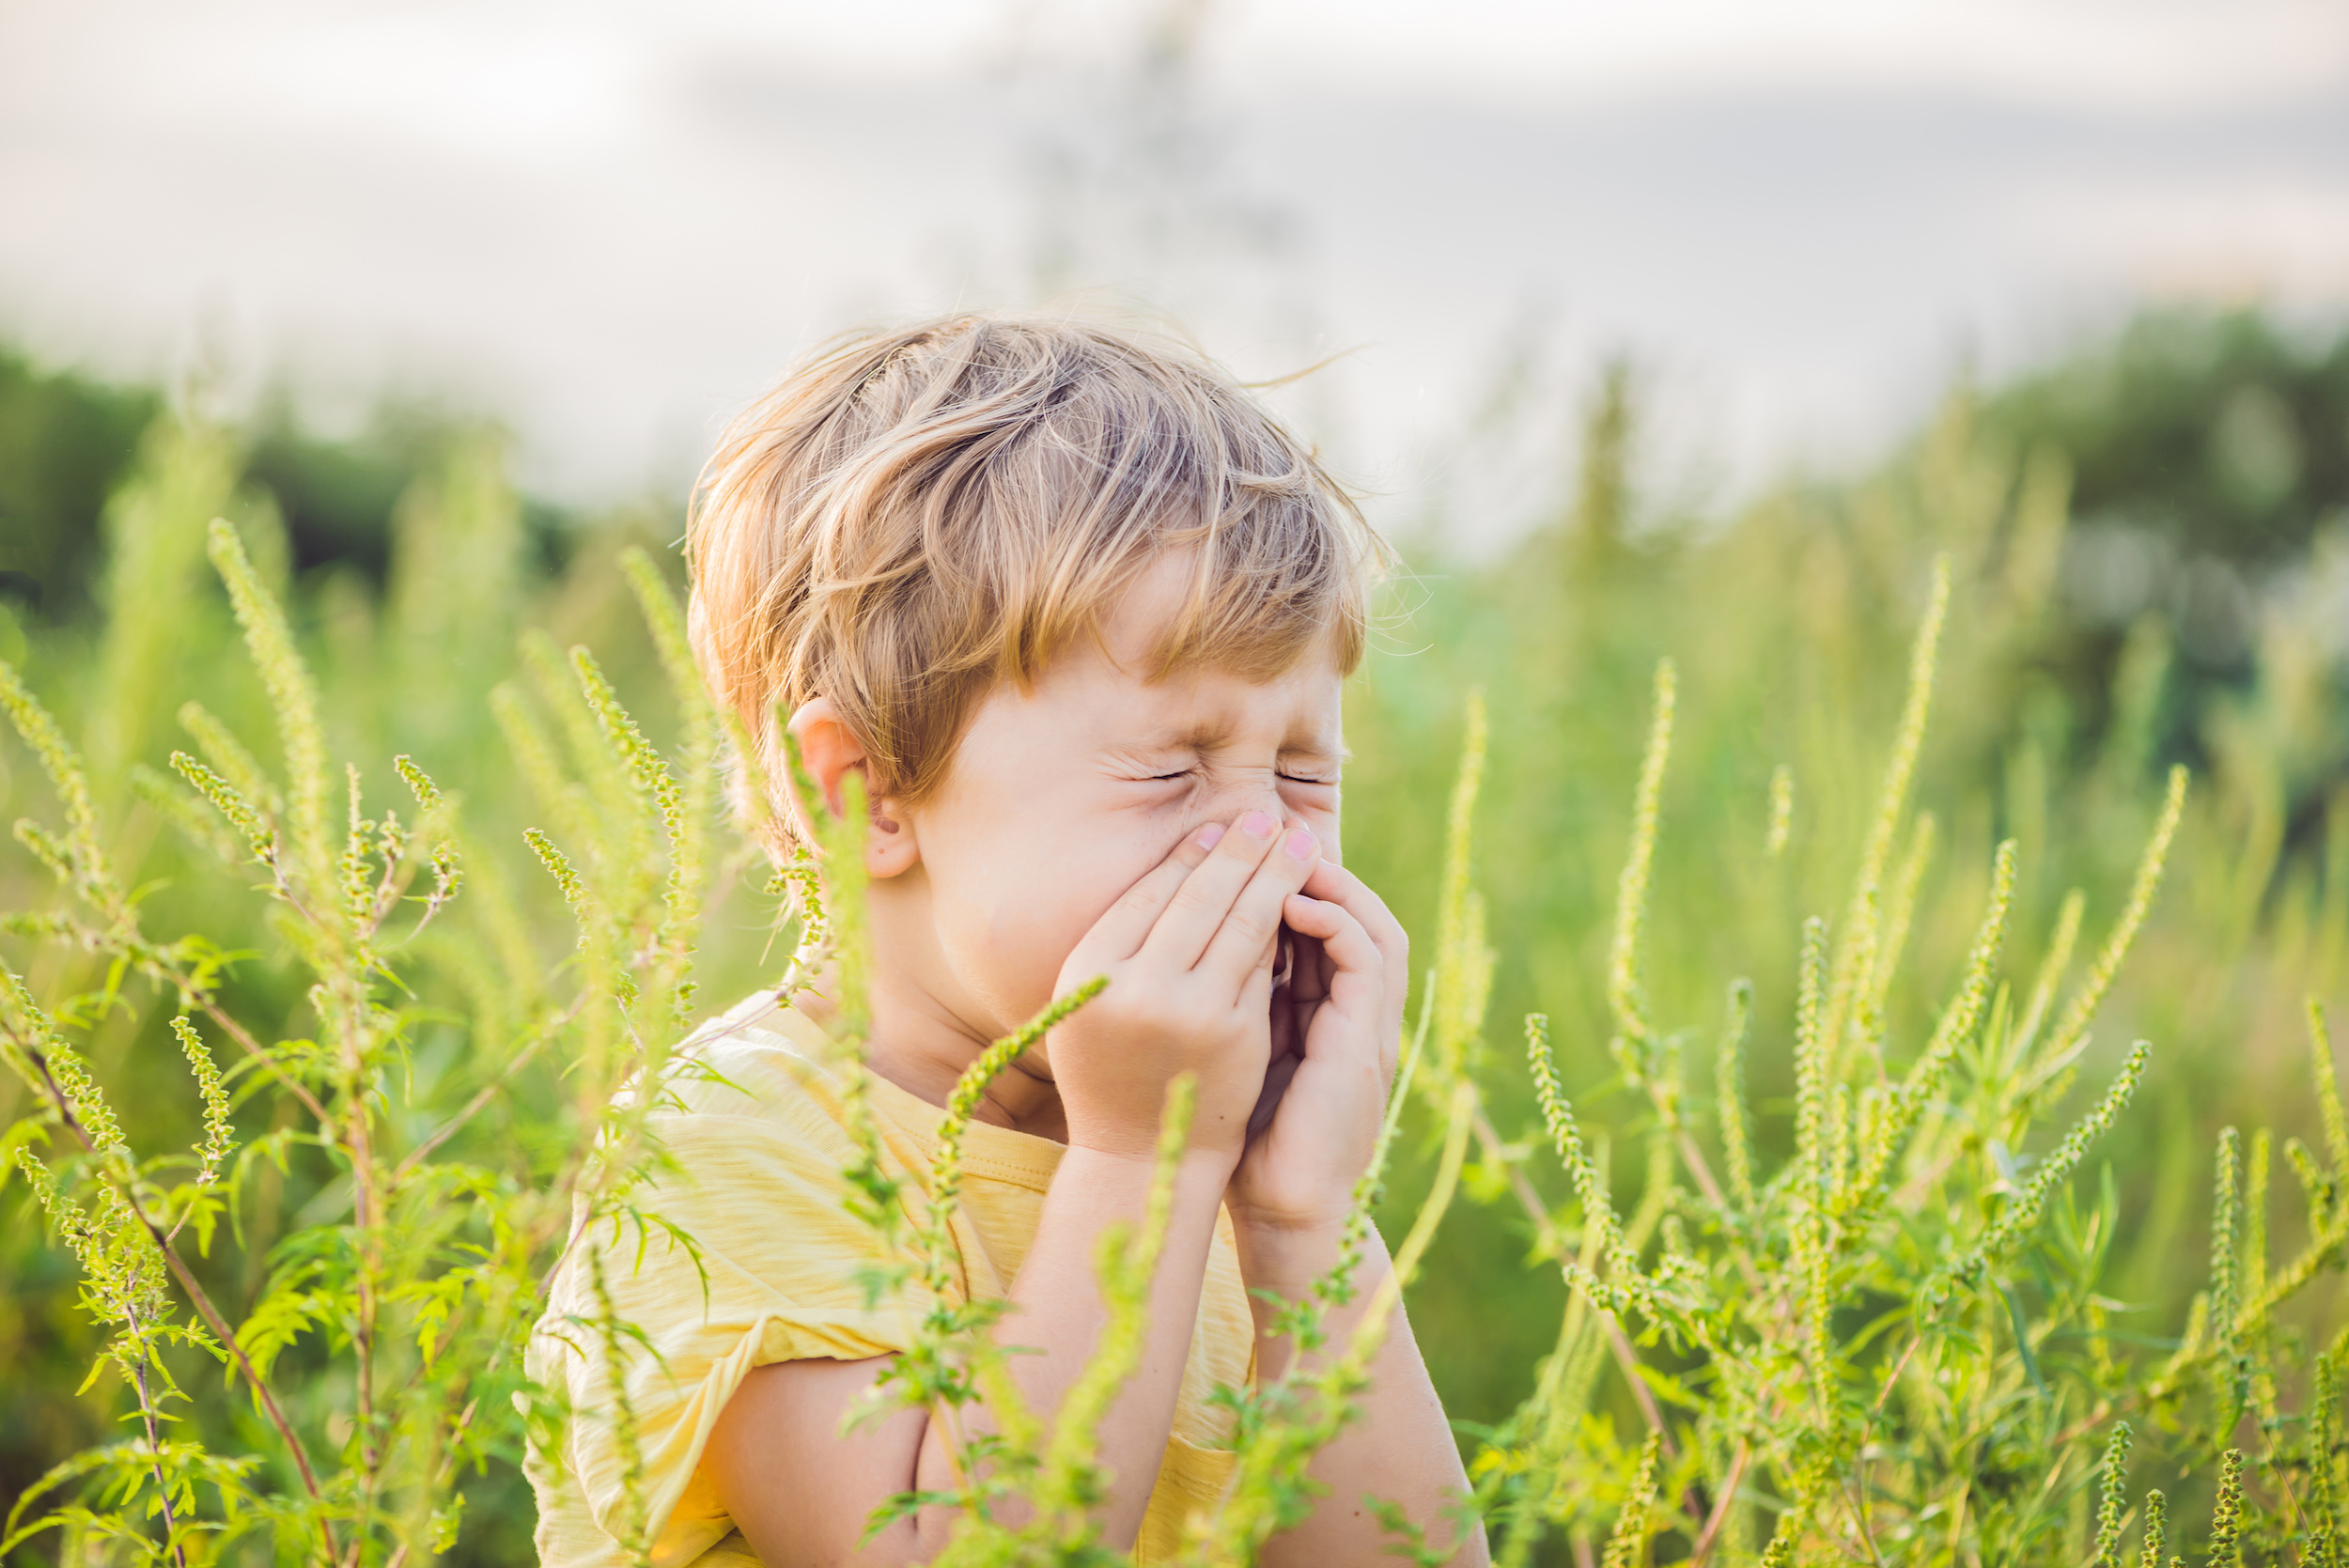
(747, 1257)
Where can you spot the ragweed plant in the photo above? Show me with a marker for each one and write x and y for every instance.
(1896, 1348)
(380, 1353)
(1874, 1324)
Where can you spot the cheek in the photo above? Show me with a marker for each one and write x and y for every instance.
(1011, 927)
(1322, 818)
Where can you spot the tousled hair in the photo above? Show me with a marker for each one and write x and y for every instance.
(913, 516)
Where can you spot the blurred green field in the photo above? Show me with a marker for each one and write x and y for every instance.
(2051, 725)
(2150, 563)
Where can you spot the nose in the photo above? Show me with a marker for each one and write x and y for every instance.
(1234, 799)
(1227, 806)
(1233, 804)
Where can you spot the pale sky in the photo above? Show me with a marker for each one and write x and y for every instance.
(611, 222)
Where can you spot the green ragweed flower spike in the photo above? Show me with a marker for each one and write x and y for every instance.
(1626, 1544)
(2226, 1515)
(2156, 1531)
(2114, 1500)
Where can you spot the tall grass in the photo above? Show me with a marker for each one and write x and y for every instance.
(316, 1063)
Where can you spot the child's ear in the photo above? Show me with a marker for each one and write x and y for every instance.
(831, 752)
(890, 847)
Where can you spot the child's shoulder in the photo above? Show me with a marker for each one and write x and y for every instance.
(759, 1062)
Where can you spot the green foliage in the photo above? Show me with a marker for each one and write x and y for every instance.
(306, 1088)
(1863, 1325)
(384, 1249)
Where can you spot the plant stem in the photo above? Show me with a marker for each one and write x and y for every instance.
(252, 1047)
(197, 1298)
(489, 1092)
(1489, 1143)
(1722, 1505)
(155, 1445)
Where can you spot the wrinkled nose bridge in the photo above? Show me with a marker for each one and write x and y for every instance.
(1229, 802)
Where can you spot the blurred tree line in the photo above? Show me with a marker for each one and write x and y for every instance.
(2207, 455)
(68, 440)
(2209, 465)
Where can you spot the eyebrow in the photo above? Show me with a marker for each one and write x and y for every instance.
(1213, 734)
(1315, 748)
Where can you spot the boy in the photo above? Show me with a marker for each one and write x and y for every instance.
(1077, 612)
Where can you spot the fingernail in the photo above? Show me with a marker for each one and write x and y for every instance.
(1259, 824)
(1300, 844)
(1210, 835)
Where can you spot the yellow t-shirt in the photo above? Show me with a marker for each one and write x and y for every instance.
(757, 1146)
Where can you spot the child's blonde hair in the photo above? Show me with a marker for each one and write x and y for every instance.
(913, 515)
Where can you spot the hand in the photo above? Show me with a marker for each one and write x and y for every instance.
(1336, 1030)
(1189, 954)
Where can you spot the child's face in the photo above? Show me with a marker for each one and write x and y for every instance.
(1061, 798)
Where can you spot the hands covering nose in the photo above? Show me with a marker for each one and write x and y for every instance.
(1336, 1029)
(1189, 952)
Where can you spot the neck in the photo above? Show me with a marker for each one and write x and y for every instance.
(924, 1048)
(924, 1035)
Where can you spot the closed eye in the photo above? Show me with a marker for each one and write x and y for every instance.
(1297, 778)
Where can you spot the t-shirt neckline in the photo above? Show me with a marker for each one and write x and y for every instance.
(989, 1151)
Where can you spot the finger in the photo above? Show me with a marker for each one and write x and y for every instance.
(1334, 884)
(1358, 977)
(1197, 908)
(1126, 924)
(1251, 926)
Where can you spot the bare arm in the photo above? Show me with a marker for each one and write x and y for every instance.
(1401, 1450)
(802, 1493)
(1339, 1023)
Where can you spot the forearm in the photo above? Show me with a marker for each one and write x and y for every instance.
(1057, 1314)
(1401, 1450)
